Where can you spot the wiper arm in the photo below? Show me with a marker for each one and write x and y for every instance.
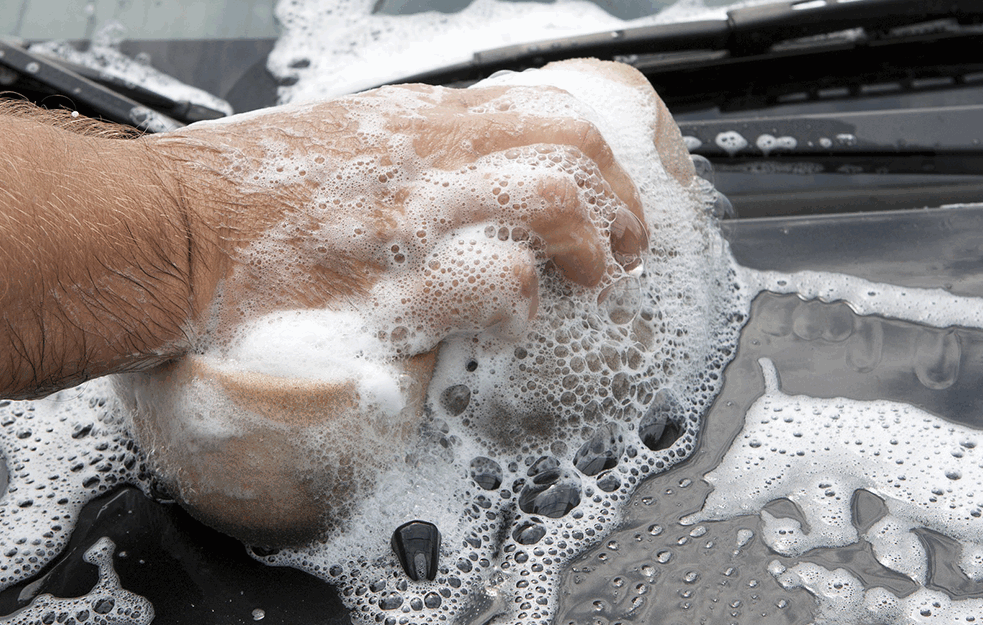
(745, 32)
(181, 110)
(91, 96)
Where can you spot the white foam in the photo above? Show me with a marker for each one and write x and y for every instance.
(323, 346)
(108, 603)
(932, 307)
(843, 599)
(818, 452)
(730, 141)
(60, 452)
(333, 48)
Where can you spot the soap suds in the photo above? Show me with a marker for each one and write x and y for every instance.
(60, 452)
(108, 603)
(843, 599)
(328, 49)
(563, 417)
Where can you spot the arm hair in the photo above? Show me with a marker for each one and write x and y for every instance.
(97, 252)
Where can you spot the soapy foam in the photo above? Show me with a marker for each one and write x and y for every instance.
(108, 603)
(567, 392)
(318, 346)
(60, 453)
(844, 600)
(327, 49)
(818, 452)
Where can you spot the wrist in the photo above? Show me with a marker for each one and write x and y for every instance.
(193, 190)
(95, 259)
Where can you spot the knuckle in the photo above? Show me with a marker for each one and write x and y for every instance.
(592, 143)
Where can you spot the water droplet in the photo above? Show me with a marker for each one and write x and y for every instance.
(937, 356)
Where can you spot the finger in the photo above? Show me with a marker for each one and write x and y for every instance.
(569, 220)
(577, 133)
(451, 137)
(609, 70)
(558, 194)
(669, 144)
(573, 241)
(665, 133)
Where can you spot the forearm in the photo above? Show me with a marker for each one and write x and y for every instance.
(96, 258)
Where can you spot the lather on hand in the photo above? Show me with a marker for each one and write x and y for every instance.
(126, 255)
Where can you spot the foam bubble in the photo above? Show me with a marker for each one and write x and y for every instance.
(842, 598)
(730, 141)
(818, 452)
(107, 603)
(60, 452)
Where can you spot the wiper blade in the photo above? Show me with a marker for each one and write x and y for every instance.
(84, 93)
(745, 32)
(181, 110)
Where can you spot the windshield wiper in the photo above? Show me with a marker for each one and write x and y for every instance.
(747, 35)
(182, 110)
(95, 94)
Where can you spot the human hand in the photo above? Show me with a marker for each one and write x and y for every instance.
(366, 205)
(303, 207)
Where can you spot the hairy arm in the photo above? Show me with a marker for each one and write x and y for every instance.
(96, 254)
